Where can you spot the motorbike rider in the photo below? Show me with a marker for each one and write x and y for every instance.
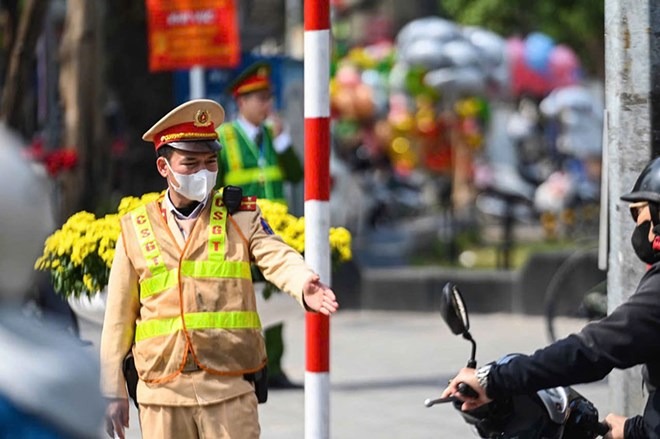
(628, 336)
(49, 381)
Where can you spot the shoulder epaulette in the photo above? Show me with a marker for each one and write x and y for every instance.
(248, 203)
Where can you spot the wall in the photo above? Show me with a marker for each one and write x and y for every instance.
(418, 288)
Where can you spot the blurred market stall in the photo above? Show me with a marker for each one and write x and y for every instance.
(458, 123)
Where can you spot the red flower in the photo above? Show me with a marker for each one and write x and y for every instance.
(68, 158)
(60, 160)
(55, 161)
(35, 151)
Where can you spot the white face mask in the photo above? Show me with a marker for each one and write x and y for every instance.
(194, 186)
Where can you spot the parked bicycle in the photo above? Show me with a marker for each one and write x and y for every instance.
(579, 272)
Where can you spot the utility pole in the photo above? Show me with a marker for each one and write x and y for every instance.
(654, 53)
(632, 61)
(293, 26)
(317, 211)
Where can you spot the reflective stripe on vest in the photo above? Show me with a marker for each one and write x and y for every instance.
(237, 174)
(269, 174)
(147, 241)
(217, 229)
(159, 283)
(196, 269)
(163, 279)
(233, 149)
(197, 321)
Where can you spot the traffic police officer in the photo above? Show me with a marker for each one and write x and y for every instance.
(259, 157)
(180, 293)
(629, 336)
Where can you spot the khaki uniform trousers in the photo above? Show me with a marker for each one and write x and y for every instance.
(235, 418)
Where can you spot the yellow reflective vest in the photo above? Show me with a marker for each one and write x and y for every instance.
(197, 300)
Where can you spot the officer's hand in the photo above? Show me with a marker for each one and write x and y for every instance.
(468, 376)
(276, 124)
(616, 423)
(116, 417)
(319, 297)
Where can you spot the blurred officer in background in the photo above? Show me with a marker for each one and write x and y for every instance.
(48, 381)
(180, 293)
(259, 157)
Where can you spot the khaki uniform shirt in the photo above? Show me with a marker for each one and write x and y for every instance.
(287, 270)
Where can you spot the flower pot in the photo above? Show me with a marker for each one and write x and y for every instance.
(91, 309)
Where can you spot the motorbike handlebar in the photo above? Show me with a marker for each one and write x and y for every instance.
(466, 390)
(602, 428)
(463, 389)
(431, 402)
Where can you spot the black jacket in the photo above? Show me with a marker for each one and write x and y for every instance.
(630, 335)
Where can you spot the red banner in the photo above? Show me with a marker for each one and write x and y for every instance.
(187, 33)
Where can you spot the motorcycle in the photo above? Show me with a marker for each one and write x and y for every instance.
(555, 413)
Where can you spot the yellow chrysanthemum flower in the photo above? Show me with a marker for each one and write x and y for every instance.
(79, 255)
(292, 230)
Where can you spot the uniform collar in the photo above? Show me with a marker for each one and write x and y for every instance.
(248, 127)
(178, 215)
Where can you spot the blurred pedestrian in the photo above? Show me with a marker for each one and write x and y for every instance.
(48, 381)
(180, 293)
(258, 156)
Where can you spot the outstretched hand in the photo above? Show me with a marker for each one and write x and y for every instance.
(319, 297)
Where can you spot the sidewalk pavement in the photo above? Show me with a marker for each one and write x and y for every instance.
(385, 364)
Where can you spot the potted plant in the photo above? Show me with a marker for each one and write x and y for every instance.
(79, 256)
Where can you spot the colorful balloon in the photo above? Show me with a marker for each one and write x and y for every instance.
(397, 77)
(564, 66)
(524, 80)
(427, 53)
(538, 47)
(348, 75)
(491, 46)
(462, 53)
(456, 82)
(428, 28)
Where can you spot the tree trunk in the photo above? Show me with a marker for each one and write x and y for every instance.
(16, 84)
(81, 90)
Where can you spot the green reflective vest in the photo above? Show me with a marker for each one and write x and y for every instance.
(255, 168)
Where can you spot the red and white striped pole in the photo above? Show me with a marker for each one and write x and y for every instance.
(317, 211)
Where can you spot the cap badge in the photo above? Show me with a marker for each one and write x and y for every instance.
(202, 119)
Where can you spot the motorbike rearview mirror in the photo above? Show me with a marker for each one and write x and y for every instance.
(453, 309)
(454, 313)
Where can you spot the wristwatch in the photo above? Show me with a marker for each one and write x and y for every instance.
(482, 376)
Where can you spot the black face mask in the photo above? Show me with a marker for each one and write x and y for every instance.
(640, 242)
